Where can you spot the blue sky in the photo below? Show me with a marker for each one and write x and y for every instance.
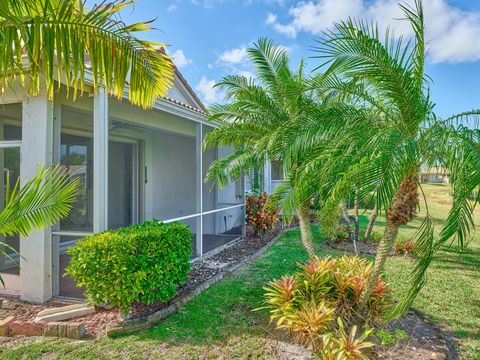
(208, 37)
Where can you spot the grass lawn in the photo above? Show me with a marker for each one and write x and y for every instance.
(220, 324)
(452, 293)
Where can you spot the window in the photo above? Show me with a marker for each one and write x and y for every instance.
(10, 141)
(277, 171)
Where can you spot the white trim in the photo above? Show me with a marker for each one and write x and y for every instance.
(199, 188)
(100, 161)
(10, 144)
(167, 221)
(72, 233)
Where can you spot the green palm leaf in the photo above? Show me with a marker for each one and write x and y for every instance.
(43, 41)
(39, 203)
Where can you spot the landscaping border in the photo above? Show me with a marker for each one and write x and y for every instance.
(145, 322)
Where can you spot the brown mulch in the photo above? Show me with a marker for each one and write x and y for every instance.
(12, 306)
(426, 340)
(363, 247)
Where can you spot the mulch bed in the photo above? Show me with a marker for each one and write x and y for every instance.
(22, 310)
(363, 247)
(426, 340)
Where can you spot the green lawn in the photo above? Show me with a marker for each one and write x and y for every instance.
(452, 293)
(220, 324)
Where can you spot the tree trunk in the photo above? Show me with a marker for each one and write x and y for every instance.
(303, 213)
(371, 223)
(356, 221)
(401, 212)
(383, 249)
(348, 223)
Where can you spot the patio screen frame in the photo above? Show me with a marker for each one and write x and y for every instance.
(101, 137)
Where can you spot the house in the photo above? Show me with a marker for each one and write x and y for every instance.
(434, 174)
(266, 178)
(133, 165)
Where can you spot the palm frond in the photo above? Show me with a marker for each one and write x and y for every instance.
(39, 203)
(39, 36)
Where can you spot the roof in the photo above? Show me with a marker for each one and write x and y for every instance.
(201, 109)
(434, 170)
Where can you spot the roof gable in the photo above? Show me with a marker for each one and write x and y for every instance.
(181, 92)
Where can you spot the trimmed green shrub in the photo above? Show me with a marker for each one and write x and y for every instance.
(141, 263)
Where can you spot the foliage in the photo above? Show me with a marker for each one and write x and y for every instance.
(57, 39)
(386, 131)
(261, 214)
(307, 302)
(37, 204)
(375, 237)
(341, 233)
(141, 263)
(345, 346)
(233, 331)
(252, 119)
(391, 338)
(404, 247)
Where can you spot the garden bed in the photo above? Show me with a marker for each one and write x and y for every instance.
(203, 271)
(425, 340)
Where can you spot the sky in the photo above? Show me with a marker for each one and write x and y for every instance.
(208, 38)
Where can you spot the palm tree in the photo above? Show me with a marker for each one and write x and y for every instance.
(251, 119)
(386, 78)
(39, 203)
(45, 40)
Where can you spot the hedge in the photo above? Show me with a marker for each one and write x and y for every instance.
(141, 263)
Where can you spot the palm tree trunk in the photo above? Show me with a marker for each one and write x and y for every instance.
(401, 212)
(383, 249)
(356, 221)
(303, 213)
(348, 223)
(371, 223)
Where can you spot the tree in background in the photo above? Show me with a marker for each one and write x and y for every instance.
(250, 120)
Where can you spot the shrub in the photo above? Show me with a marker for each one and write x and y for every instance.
(308, 302)
(141, 263)
(391, 338)
(404, 247)
(376, 237)
(260, 213)
(341, 233)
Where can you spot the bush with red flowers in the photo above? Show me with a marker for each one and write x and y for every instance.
(260, 213)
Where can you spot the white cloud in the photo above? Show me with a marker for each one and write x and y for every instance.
(233, 56)
(207, 92)
(452, 33)
(179, 59)
(271, 19)
(172, 8)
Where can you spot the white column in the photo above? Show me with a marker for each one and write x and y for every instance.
(57, 139)
(199, 188)
(36, 149)
(100, 161)
(267, 177)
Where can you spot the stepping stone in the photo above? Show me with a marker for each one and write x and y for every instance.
(65, 312)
